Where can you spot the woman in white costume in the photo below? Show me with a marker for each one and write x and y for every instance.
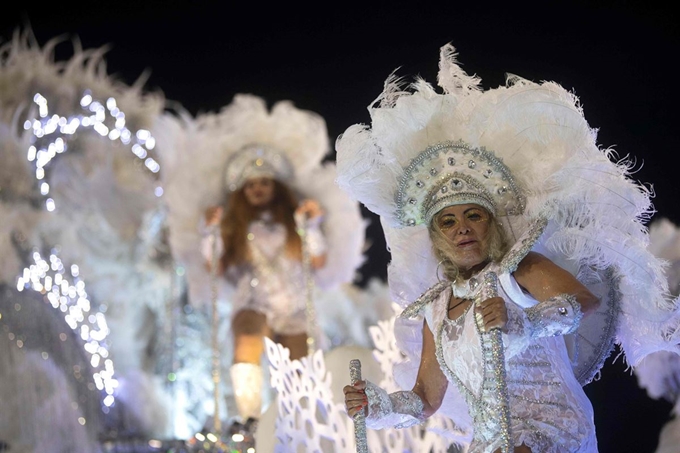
(261, 255)
(471, 185)
(279, 229)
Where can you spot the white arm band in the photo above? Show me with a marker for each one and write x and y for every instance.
(559, 315)
(208, 243)
(315, 239)
(398, 410)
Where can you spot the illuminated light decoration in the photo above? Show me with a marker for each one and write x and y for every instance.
(67, 294)
(104, 118)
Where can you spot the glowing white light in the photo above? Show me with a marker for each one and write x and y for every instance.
(49, 204)
(200, 437)
(150, 143)
(101, 129)
(31, 153)
(158, 191)
(44, 188)
(152, 165)
(236, 437)
(85, 101)
(139, 151)
(155, 443)
(108, 400)
(143, 135)
(39, 173)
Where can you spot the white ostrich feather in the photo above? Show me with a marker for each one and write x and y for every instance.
(27, 69)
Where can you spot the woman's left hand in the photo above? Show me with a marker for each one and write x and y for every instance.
(309, 209)
(491, 314)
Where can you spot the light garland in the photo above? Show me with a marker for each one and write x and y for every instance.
(112, 126)
(51, 279)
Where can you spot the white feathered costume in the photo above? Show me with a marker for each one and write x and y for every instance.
(557, 192)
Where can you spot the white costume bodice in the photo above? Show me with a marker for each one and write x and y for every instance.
(273, 284)
(548, 408)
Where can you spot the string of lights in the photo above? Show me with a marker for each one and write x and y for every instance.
(65, 291)
(50, 134)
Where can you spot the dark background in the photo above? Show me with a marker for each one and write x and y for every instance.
(619, 58)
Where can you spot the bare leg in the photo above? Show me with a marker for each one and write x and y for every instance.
(297, 344)
(249, 328)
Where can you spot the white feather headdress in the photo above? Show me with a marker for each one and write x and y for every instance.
(591, 209)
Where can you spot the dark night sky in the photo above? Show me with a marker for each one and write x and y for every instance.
(332, 58)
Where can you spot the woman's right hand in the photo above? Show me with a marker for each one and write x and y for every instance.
(355, 398)
(213, 216)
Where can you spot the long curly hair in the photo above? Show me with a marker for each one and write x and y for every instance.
(238, 215)
(443, 248)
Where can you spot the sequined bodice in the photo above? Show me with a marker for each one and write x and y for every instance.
(549, 411)
(274, 283)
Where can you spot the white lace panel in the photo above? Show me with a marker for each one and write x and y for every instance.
(549, 411)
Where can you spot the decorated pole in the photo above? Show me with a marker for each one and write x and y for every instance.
(217, 423)
(310, 310)
(359, 418)
(496, 356)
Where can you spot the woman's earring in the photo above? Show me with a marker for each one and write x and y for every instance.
(439, 264)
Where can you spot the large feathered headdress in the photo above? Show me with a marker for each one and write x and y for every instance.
(525, 152)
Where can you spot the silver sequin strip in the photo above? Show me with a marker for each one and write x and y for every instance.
(498, 367)
(522, 247)
(414, 309)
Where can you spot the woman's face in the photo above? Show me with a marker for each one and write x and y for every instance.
(467, 227)
(259, 192)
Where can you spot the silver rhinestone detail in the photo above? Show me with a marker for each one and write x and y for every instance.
(452, 161)
(472, 164)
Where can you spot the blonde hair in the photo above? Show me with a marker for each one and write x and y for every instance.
(497, 240)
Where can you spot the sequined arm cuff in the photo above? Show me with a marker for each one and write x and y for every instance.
(398, 410)
(208, 245)
(559, 315)
(315, 239)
